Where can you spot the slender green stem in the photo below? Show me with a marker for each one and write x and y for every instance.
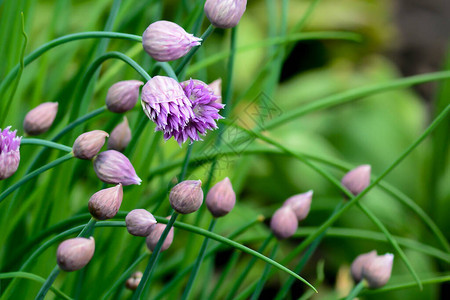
(224, 274)
(168, 69)
(265, 275)
(33, 174)
(186, 162)
(355, 291)
(45, 143)
(59, 41)
(445, 278)
(47, 284)
(198, 262)
(154, 257)
(143, 121)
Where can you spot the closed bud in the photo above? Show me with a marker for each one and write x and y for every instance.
(139, 222)
(377, 270)
(155, 234)
(284, 222)
(225, 13)
(300, 204)
(39, 119)
(133, 282)
(359, 262)
(187, 196)
(357, 179)
(112, 166)
(120, 136)
(221, 198)
(105, 203)
(216, 87)
(122, 96)
(9, 152)
(88, 144)
(166, 41)
(74, 254)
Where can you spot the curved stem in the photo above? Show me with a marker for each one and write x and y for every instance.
(168, 69)
(48, 283)
(265, 275)
(45, 143)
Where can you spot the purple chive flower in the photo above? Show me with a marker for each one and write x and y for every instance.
(9, 152)
(73, 254)
(40, 119)
(359, 262)
(225, 13)
(166, 41)
(123, 95)
(377, 270)
(300, 204)
(284, 222)
(112, 166)
(357, 179)
(120, 136)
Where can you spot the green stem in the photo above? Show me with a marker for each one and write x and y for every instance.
(224, 274)
(47, 284)
(33, 174)
(445, 278)
(198, 262)
(59, 41)
(355, 291)
(168, 69)
(186, 162)
(154, 258)
(265, 275)
(45, 143)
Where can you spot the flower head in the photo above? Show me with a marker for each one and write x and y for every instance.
(377, 270)
(166, 41)
(112, 166)
(187, 196)
(123, 95)
(357, 180)
(73, 254)
(88, 144)
(284, 222)
(225, 13)
(221, 198)
(9, 152)
(39, 119)
(359, 262)
(300, 204)
(133, 281)
(156, 233)
(139, 222)
(105, 203)
(120, 136)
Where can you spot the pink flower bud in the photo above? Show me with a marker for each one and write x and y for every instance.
(123, 95)
(9, 152)
(155, 234)
(359, 262)
(216, 87)
(88, 144)
(225, 13)
(187, 196)
(284, 222)
(377, 270)
(300, 204)
(221, 198)
(133, 282)
(74, 254)
(39, 119)
(120, 136)
(112, 166)
(357, 179)
(105, 203)
(166, 41)
(139, 222)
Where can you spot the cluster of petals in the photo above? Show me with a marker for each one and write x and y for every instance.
(9, 152)
(181, 110)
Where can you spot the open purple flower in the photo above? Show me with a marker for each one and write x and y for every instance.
(9, 152)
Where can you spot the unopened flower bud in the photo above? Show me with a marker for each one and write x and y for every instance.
(74, 254)
(112, 166)
(105, 203)
(166, 41)
(9, 152)
(357, 179)
(284, 222)
(221, 198)
(123, 95)
(39, 119)
(225, 13)
(300, 204)
(187, 196)
(120, 136)
(377, 270)
(155, 234)
(133, 282)
(139, 222)
(359, 262)
(216, 87)
(88, 144)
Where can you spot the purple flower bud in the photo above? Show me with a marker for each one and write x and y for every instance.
(377, 270)
(300, 204)
(284, 222)
(105, 203)
(112, 166)
(359, 262)
(74, 254)
(123, 95)
(357, 179)
(225, 13)
(187, 196)
(216, 87)
(221, 198)
(139, 222)
(133, 282)
(166, 41)
(88, 144)
(120, 136)
(39, 119)
(9, 152)
(155, 234)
